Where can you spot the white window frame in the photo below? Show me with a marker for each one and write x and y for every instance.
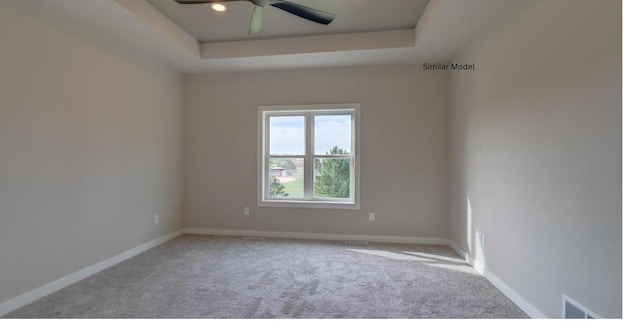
(309, 111)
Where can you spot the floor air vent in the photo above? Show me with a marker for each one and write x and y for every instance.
(356, 243)
(253, 238)
(574, 310)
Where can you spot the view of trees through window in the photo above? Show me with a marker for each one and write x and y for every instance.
(331, 176)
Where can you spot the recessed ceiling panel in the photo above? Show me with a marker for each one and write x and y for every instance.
(206, 25)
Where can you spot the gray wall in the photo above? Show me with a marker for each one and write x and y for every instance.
(536, 152)
(90, 147)
(404, 136)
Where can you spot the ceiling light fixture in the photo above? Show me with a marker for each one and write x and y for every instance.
(218, 7)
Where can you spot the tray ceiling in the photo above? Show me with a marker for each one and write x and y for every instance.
(206, 25)
(365, 32)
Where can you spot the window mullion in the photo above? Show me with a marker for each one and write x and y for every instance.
(334, 156)
(308, 164)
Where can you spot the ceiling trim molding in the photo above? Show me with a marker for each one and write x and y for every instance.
(309, 44)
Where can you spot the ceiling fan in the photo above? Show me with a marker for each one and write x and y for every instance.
(255, 26)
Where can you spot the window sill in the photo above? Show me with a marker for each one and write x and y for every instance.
(308, 204)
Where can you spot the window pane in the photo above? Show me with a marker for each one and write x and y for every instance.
(286, 135)
(332, 134)
(286, 177)
(332, 178)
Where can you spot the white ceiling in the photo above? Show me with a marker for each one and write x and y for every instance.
(444, 30)
(206, 25)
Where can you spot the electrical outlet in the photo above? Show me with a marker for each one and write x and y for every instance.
(157, 219)
(372, 216)
(481, 238)
(247, 211)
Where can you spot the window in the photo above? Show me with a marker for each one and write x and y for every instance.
(308, 156)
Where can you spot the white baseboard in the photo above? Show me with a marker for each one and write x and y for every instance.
(316, 236)
(523, 303)
(459, 251)
(44, 290)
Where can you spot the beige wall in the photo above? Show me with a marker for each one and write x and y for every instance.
(537, 155)
(90, 147)
(404, 136)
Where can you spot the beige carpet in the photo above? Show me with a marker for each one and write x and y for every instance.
(197, 276)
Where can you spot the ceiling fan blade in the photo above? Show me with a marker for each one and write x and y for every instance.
(304, 12)
(255, 27)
